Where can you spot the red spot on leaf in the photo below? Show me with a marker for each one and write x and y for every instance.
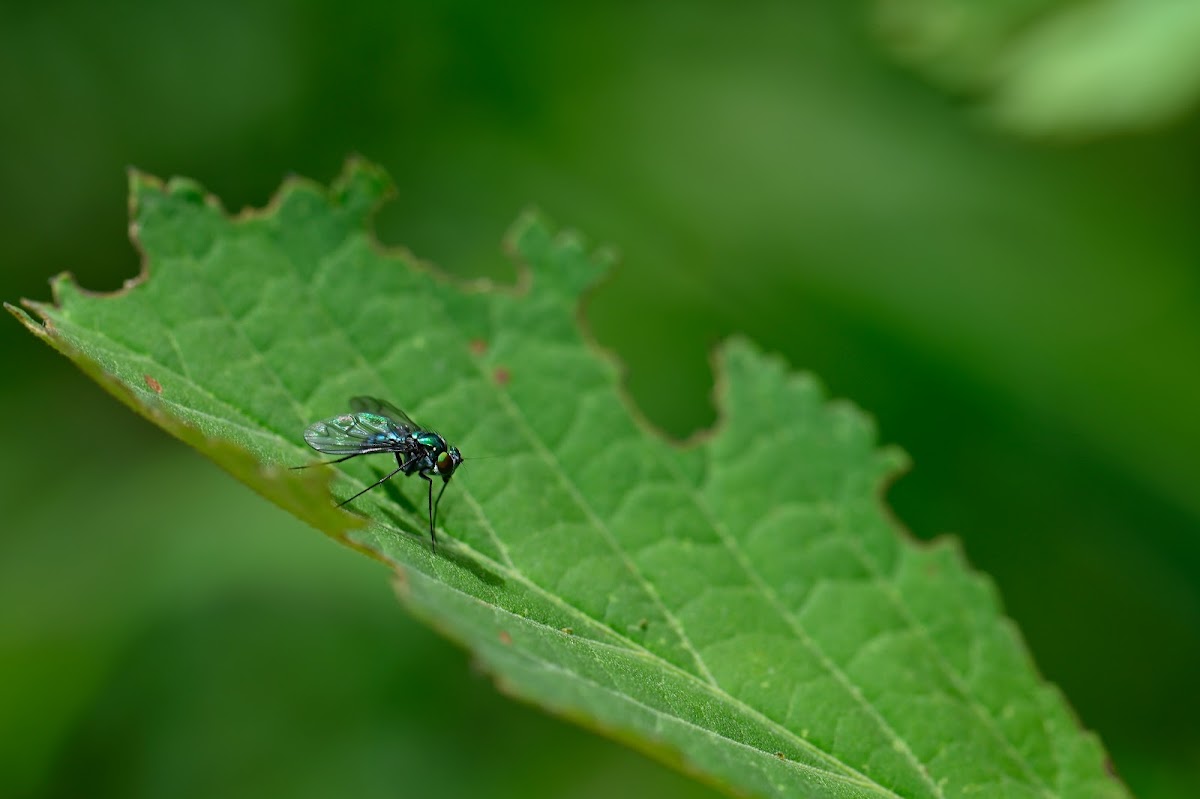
(154, 385)
(505, 638)
(501, 376)
(478, 346)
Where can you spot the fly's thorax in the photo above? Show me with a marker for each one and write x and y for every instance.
(428, 439)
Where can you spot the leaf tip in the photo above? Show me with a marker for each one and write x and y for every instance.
(38, 317)
(141, 182)
(25, 318)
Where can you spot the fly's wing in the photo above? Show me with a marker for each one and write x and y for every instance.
(356, 433)
(383, 408)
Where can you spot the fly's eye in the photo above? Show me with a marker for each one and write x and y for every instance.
(444, 462)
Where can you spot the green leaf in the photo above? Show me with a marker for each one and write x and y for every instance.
(1057, 67)
(742, 606)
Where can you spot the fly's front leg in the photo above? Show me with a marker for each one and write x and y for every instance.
(432, 533)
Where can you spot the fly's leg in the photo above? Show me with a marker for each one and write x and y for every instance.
(378, 482)
(432, 533)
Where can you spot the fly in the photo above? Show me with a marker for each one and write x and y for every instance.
(377, 426)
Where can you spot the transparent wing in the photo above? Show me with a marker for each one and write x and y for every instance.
(356, 433)
(383, 408)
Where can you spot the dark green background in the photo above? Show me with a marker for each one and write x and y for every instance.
(1022, 317)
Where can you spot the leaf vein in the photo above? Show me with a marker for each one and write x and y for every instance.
(839, 676)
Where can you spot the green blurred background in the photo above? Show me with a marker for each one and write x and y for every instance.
(1021, 314)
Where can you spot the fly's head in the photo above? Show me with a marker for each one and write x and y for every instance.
(447, 461)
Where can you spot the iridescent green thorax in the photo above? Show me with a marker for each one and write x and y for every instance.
(427, 439)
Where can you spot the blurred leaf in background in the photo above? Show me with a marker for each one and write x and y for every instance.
(1056, 67)
(1023, 319)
